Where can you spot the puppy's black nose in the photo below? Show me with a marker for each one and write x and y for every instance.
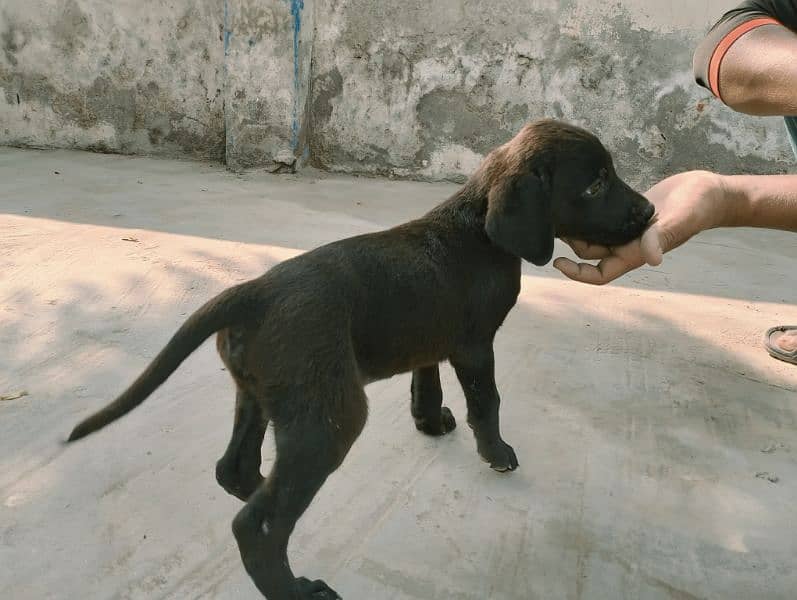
(647, 213)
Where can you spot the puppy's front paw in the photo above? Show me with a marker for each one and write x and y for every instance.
(447, 420)
(500, 455)
(314, 590)
(440, 426)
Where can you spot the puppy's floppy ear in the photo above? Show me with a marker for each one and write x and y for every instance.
(519, 217)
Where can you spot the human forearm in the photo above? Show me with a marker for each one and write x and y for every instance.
(768, 201)
(687, 204)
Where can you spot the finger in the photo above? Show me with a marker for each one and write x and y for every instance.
(650, 246)
(583, 272)
(588, 251)
(605, 271)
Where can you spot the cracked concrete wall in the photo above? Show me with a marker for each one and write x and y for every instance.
(424, 89)
(268, 50)
(127, 77)
(406, 89)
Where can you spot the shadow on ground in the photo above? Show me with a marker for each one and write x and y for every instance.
(639, 443)
(305, 211)
(641, 414)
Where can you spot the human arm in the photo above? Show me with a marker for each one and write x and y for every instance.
(748, 60)
(759, 73)
(687, 204)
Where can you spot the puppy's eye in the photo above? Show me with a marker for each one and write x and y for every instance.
(594, 189)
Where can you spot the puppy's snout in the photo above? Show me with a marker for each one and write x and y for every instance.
(647, 212)
(641, 213)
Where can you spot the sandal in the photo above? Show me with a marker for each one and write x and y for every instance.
(789, 352)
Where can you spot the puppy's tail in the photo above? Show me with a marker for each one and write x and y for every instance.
(231, 306)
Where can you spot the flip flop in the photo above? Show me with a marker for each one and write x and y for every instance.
(770, 339)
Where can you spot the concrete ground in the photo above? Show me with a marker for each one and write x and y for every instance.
(641, 412)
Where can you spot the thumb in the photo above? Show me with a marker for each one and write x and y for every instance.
(650, 246)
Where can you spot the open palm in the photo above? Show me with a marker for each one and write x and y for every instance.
(686, 204)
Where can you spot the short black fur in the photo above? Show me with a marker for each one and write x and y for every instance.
(304, 339)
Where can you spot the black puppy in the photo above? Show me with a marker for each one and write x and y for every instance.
(304, 339)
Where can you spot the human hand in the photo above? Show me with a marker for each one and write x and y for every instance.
(686, 204)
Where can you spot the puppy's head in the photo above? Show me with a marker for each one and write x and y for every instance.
(556, 180)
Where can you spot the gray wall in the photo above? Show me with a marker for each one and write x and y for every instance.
(122, 76)
(400, 88)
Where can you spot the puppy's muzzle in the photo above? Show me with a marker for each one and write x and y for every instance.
(641, 214)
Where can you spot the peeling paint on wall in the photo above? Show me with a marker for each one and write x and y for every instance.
(268, 78)
(297, 6)
(405, 89)
(227, 30)
(112, 78)
(427, 89)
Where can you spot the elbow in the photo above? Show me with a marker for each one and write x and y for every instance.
(729, 85)
(747, 92)
(737, 95)
(748, 70)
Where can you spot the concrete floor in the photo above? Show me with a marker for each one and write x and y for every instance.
(641, 412)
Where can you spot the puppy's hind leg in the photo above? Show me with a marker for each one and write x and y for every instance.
(238, 471)
(310, 445)
(431, 417)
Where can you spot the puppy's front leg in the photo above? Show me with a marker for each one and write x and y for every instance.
(475, 368)
(431, 417)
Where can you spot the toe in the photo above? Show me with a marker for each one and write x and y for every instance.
(505, 459)
(315, 590)
(447, 420)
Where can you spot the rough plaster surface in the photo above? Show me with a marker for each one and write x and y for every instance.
(426, 90)
(268, 54)
(407, 89)
(127, 77)
(640, 411)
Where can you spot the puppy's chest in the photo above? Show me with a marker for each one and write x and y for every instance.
(492, 290)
